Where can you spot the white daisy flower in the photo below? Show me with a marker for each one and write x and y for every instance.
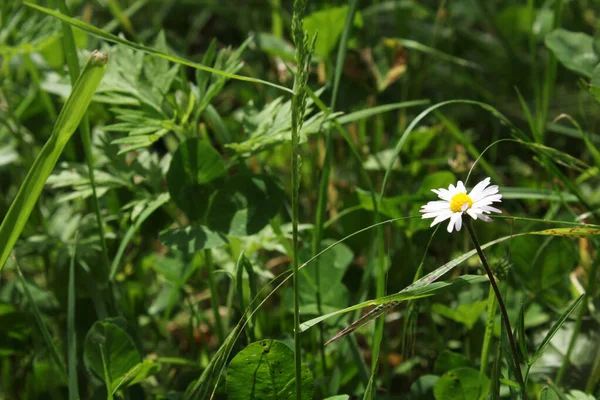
(455, 202)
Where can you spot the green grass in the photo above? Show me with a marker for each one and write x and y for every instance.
(238, 217)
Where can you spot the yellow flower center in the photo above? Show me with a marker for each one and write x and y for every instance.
(459, 200)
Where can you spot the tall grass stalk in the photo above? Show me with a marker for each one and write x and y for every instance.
(506, 321)
(303, 55)
(67, 122)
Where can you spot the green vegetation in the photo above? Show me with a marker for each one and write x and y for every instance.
(224, 200)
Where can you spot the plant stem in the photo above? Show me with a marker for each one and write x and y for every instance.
(214, 298)
(511, 339)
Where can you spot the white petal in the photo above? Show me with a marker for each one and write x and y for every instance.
(458, 224)
(443, 194)
(435, 206)
(475, 194)
(460, 187)
(441, 217)
(485, 218)
(453, 221)
(472, 213)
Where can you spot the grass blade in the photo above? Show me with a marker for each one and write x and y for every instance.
(420, 289)
(67, 122)
(71, 331)
(70, 51)
(557, 325)
(54, 352)
(149, 50)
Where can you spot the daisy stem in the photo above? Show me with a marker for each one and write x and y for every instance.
(511, 339)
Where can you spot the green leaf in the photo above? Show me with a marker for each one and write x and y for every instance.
(448, 360)
(461, 384)
(194, 165)
(67, 122)
(108, 346)
(192, 238)
(549, 393)
(265, 370)
(466, 314)
(328, 24)
(557, 325)
(137, 374)
(575, 50)
(245, 205)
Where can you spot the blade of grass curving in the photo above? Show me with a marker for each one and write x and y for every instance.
(71, 330)
(400, 144)
(326, 171)
(555, 327)
(54, 352)
(411, 44)
(585, 135)
(148, 50)
(67, 122)
(420, 286)
(70, 50)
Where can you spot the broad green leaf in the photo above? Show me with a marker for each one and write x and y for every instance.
(245, 205)
(549, 393)
(555, 327)
(108, 348)
(328, 24)
(192, 238)
(194, 165)
(422, 388)
(448, 360)
(461, 384)
(575, 50)
(265, 370)
(332, 267)
(68, 120)
(466, 314)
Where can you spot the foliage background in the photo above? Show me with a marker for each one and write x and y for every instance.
(192, 175)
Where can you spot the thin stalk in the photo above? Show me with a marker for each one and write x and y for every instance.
(511, 339)
(303, 55)
(214, 298)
